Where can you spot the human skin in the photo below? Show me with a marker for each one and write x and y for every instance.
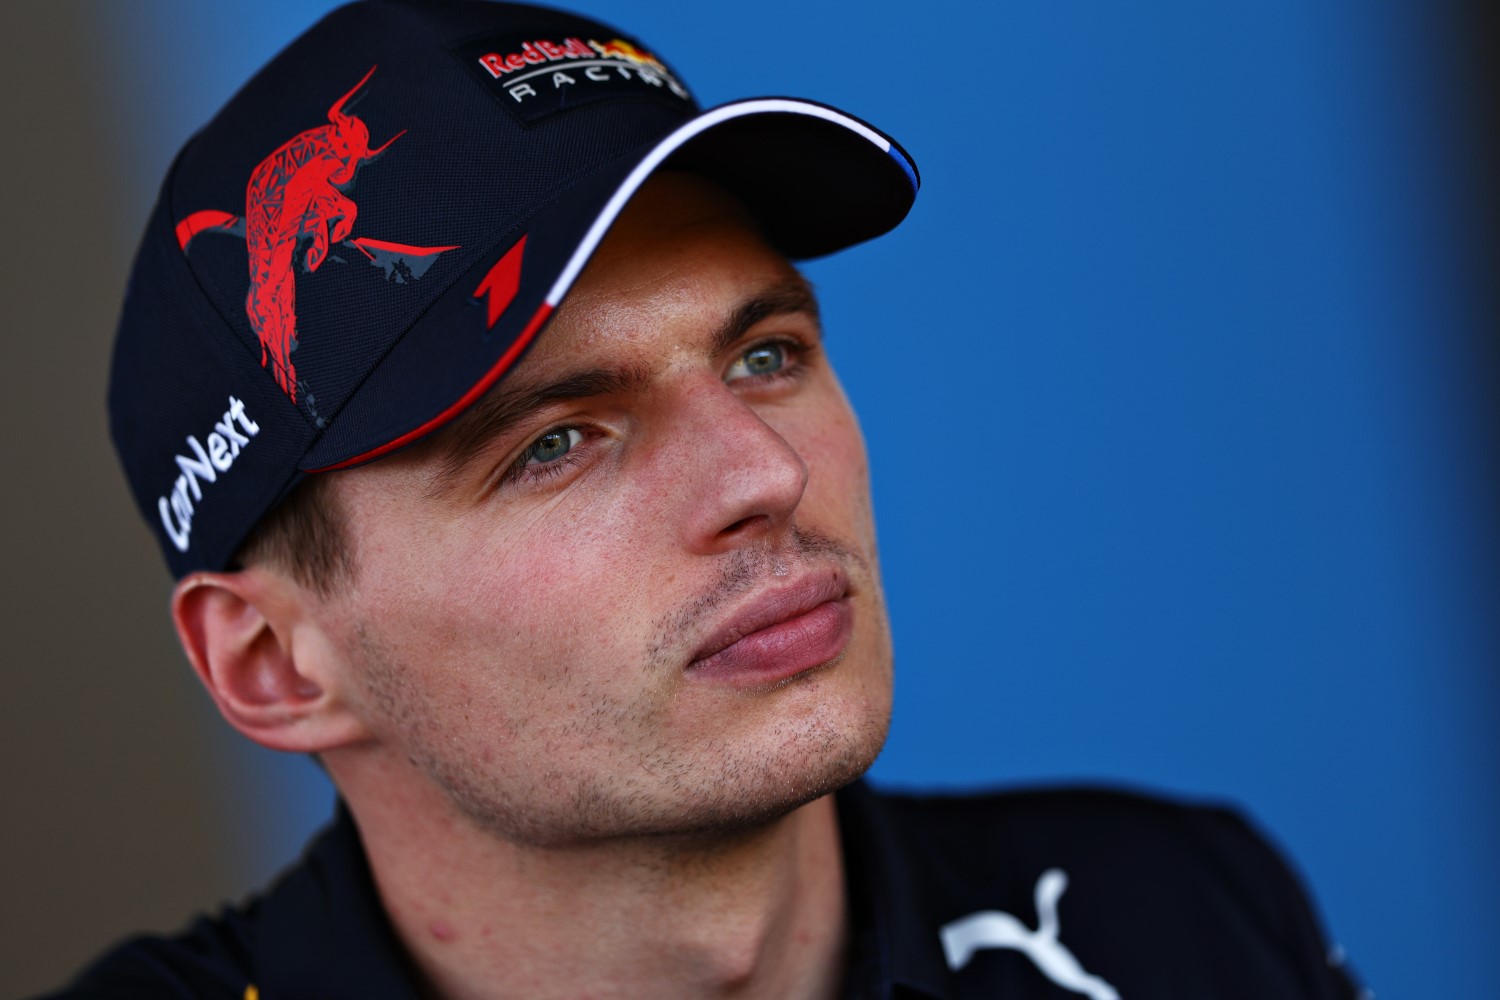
(527, 642)
(510, 694)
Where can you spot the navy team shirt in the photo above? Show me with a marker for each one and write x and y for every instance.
(1039, 895)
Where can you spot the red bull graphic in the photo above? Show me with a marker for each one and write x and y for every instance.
(295, 194)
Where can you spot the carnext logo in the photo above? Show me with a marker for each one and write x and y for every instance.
(233, 431)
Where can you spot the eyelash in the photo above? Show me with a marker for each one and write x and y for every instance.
(522, 469)
(799, 353)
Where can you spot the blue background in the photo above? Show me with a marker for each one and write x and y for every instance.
(1173, 393)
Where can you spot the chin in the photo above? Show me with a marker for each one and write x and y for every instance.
(805, 768)
(826, 730)
(724, 789)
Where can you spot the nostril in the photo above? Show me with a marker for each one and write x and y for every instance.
(743, 524)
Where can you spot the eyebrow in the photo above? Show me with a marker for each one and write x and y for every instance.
(501, 410)
(794, 295)
(505, 407)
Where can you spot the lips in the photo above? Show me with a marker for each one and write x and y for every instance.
(780, 633)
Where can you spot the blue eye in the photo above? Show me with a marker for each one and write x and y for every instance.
(553, 445)
(763, 359)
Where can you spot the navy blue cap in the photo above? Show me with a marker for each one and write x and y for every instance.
(380, 223)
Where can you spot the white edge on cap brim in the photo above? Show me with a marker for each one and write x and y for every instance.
(675, 141)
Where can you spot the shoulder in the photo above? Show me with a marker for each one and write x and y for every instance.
(1156, 890)
(1125, 833)
(1112, 843)
(207, 960)
(318, 931)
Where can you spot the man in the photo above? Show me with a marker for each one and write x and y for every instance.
(466, 383)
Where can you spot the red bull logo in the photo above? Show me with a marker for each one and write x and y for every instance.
(532, 53)
(595, 60)
(296, 195)
(618, 48)
(535, 78)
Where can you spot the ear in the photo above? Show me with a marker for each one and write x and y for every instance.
(266, 663)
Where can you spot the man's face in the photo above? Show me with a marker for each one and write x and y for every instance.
(543, 623)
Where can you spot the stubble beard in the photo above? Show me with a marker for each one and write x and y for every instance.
(705, 794)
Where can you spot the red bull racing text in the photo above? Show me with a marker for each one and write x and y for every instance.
(538, 77)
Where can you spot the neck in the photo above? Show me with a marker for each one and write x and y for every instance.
(755, 914)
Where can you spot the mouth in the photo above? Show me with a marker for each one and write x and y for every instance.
(780, 633)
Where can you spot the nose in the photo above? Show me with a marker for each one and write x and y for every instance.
(743, 480)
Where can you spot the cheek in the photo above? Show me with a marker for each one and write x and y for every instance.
(548, 591)
(838, 471)
(508, 646)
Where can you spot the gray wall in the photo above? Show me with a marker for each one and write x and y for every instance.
(99, 709)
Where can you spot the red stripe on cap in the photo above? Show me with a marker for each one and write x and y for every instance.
(464, 402)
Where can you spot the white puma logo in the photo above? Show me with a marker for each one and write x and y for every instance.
(993, 929)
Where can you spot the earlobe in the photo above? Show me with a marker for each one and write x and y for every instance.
(259, 661)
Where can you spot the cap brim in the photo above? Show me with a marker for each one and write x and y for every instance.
(816, 179)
